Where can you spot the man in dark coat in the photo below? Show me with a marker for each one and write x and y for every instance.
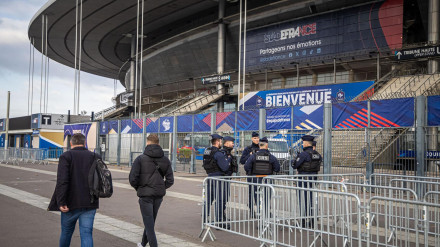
(151, 175)
(72, 195)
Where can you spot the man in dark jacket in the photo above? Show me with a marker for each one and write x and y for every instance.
(147, 177)
(252, 149)
(72, 194)
(260, 164)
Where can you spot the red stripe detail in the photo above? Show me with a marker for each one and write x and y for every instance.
(359, 121)
(348, 124)
(380, 122)
(337, 127)
(343, 126)
(356, 115)
(373, 123)
(354, 123)
(384, 119)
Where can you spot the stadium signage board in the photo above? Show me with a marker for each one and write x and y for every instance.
(420, 52)
(216, 79)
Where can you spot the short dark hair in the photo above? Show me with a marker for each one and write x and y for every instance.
(153, 139)
(213, 141)
(78, 139)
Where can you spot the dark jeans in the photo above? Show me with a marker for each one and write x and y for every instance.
(218, 191)
(149, 208)
(68, 222)
(305, 197)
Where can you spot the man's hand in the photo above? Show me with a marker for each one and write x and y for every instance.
(64, 209)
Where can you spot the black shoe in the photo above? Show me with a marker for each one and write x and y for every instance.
(312, 223)
(304, 223)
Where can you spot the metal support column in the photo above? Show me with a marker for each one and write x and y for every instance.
(291, 138)
(193, 152)
(174, 144)
(144, 132)
(212, 122)
(420, 138)
(221, 49)
(8, 105)
(262, 122)
(327, 138)
(378, 67)
(98, 144)
(433, 31)
(118, 151)
(130, 86)
(370, 167)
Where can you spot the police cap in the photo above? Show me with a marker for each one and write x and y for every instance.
(228, 139)
(255, 134)
(308, 138)
(264, 139)
(215, 136)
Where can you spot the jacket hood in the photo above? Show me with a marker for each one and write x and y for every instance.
(154, 151)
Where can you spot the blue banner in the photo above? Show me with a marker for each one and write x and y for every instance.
(392, 113)
(434, 111)
(308, 117)
(361, 29)
(247, 120)
(109, 127)
(280, 118)
(313, 95)
(202, 122)
(166, 124)
(184, 123)
(77, 128)
(225, 121)
(350, 115)
(152, 125)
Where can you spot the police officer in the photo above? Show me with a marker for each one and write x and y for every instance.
(216, 163)
(307, 162)
(228, 146)
(259, 164)
(252, 149)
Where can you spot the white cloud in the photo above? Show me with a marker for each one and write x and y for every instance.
(13, 32)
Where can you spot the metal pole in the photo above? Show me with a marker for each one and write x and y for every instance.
(244, 49)
(144, 132)
(420, 138)
(98, 133)
(118, 151)
(29, 84)
(42, 57)
(291, 129)
(370, 167)
(137, 62)
(327, 138)
(193, 152)
(213, 127)
(142, 53)
(221, 50)
(76, 53)
(239, 58)
(45, 63)
(433, 31)
(174, 151)
(262, 122)
(33, 69)
(8, 104)
(80, 55)
(334, 70)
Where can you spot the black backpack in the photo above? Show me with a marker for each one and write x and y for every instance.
(100, 180)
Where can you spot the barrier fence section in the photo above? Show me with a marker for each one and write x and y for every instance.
(29, 155)
(321, 210)
(378, 136)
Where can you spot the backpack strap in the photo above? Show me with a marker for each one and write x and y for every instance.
(158, 168)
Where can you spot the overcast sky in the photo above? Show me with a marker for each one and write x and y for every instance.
(96, 92)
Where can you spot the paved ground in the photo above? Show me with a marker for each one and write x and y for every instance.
(25, 191)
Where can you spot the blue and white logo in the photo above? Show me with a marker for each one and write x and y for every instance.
(340, 96)
(166, 125)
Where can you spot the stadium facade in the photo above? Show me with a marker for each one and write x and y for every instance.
(189, 50)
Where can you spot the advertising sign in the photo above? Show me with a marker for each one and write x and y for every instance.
(305, 95)
(279, 118)
(420, 52)
(372, 27)
(215, 79)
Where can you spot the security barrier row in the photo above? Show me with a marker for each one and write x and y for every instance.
(28, 155)
(322, 210)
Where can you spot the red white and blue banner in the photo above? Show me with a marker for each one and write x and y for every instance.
(300, 96)
(434, 110)
(152, 125)
(384, 113)
(247, 120)
(308, 117)
(225, 121)
(349, 32)
(279, 118)
(202, 122)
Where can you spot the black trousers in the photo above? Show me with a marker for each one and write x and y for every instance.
(149, 209)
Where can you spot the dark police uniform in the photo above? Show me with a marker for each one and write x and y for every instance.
(308, 162)
(216, 164)
(233, 165)
(260, 164)
(253, 148)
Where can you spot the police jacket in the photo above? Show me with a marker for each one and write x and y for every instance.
(72, 188)
(146, 178)
(256, 163)
(246, 152)
(304, 161)
(216, 161)
(233, 166)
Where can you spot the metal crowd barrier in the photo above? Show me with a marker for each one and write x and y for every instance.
(409, 223)
(23, 155)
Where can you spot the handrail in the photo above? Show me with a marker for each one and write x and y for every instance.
(185, 106)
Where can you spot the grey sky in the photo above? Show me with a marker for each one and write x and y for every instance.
(96, 92)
